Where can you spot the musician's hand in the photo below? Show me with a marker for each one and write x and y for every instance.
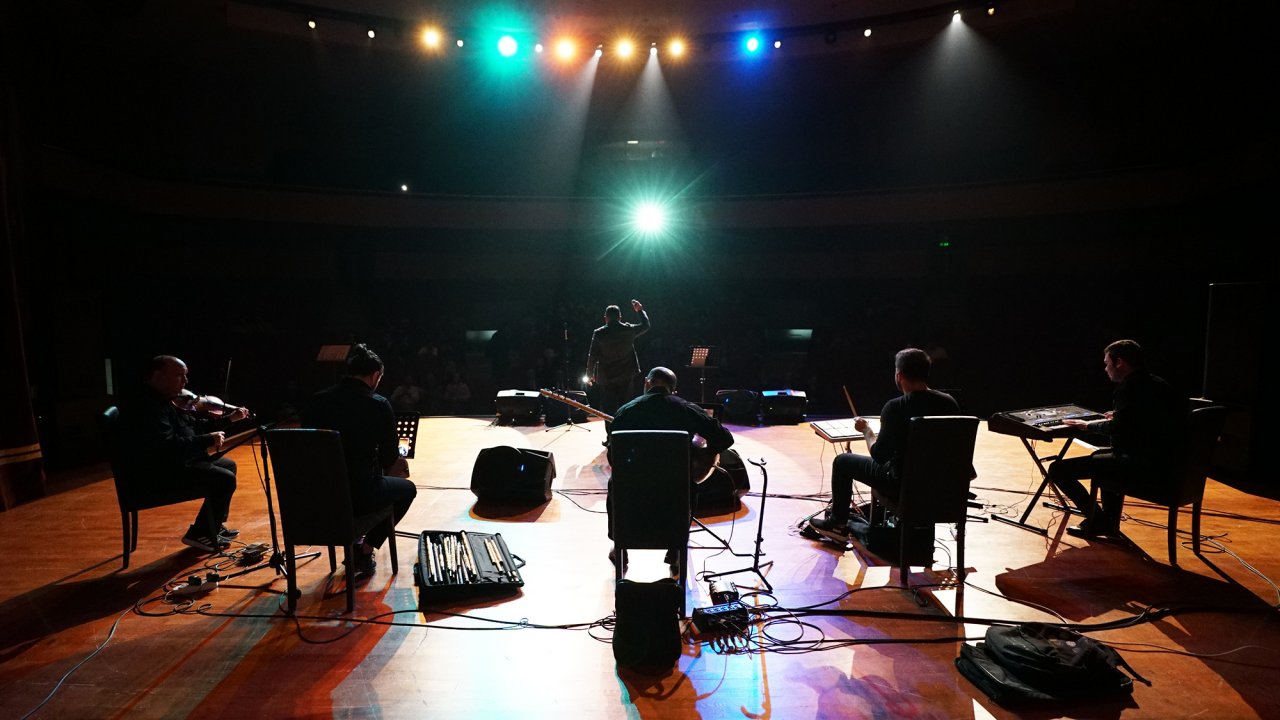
(635, 305)
(860, 424)
(1109, 414)
(1075, 423)
(218, 439)
(239, 414)
(400, 468)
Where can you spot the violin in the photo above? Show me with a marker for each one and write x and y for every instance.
(205, 405)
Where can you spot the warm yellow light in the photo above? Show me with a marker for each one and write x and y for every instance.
(431, 37)
(625, 48)
(676, 48)
(566, 49)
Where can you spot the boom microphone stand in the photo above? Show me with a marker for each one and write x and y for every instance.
(277, 560)
(756, 565)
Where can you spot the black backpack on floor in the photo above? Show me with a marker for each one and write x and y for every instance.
(1036, 663)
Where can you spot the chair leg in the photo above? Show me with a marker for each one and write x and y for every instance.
(124, 533)
(1195, 527)
(333, 559)
(904, 568)
(351, 577)
(391, 543)
(133, 532)
(291, 579)
(684, 581)
(960, 569)
(1173, 534)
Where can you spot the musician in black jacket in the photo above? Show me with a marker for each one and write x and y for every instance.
(660, 409)
(880, 470)
(612, 365)
(1145, 426)
(369, 441)
(165, 452)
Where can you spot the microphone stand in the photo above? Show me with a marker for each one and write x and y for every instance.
(277, 560)
(756, 565)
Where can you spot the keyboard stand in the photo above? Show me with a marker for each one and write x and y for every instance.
(1044, 473)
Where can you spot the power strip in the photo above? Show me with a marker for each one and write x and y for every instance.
(194, 587)
(730, 617)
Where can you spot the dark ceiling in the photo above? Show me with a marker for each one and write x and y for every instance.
(242, 93)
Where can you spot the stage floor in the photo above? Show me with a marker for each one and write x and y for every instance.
(235, 654)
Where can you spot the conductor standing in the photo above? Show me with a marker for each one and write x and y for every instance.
(613, 370)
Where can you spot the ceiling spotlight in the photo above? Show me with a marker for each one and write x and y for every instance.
(507, 46)
(625, 48)
(866, 33)
(991, 10)
(460, 43)
(311, 23)
(565, 49)
(371, 33)
(777, 44)
(404, 188)
(676, 47)
(431, 37)
(538, 48)
(653, 49)
(599, 51)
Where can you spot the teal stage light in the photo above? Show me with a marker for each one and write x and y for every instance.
(507, 46)
(650, 218)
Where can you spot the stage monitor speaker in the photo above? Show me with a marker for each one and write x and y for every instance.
(518, 407)
(646, 631)
(505, 475)
(741, 407)
(783, 407)
(558, 413)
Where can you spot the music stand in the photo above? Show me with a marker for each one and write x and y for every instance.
(756, 565)
(701, 357)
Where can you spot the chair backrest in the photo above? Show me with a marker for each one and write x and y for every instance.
(937, 467)
(649, 488)
(312, 486)
(1204, 425)
(110, 423)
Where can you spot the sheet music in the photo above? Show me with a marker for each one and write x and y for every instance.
(842, 430)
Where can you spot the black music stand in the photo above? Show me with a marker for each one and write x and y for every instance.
(569, 423)
(756, 565)
(702, 357)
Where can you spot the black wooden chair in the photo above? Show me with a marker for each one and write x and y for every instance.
(936, 470)
(131, 495)
(1186, 485)
(649, 496)
(315, 502)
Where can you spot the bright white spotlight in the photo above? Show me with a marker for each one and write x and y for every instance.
(507, 46)
(753, 44)
(371, 33)
(625, 48)
(653, 49)
(460, 43)
(538, 48)
(676, 48)
(431, 38)
(777, 44)
(565, 49)
(650, 218)
(866, 33)
(311, 23)
(404, 188)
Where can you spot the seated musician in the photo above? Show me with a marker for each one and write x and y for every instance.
(880, 469)
(1145, 428)
(367, 424)
(164, 449)
(660, 409)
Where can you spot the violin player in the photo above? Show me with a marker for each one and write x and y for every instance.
(166, 450)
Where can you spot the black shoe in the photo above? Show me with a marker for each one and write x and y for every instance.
(365, 564)
(834, 529)
(204, 543)
(227, 533)
(1092, 528)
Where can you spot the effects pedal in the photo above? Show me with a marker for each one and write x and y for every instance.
(730, 617)
(723, 591)
(253, 554)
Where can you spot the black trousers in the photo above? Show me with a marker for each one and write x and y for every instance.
(394, 491)
(613, 393)
(216, 481)
(848, 467)
(1104, 467)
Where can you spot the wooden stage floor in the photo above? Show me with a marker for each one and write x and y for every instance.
(67, 605)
